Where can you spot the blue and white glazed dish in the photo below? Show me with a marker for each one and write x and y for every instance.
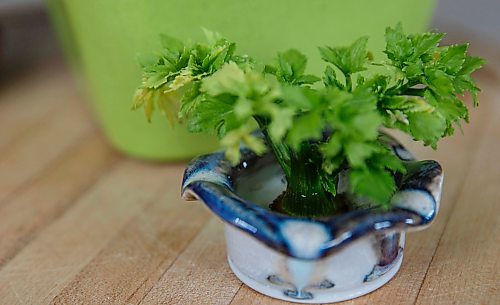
(310, 260)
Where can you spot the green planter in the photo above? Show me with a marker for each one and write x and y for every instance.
(104, 37)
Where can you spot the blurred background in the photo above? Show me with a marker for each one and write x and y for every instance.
(94, 38)
(27, 37)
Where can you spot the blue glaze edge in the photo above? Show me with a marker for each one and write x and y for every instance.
(210, 178)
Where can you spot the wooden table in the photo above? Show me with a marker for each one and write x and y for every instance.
(82, 224)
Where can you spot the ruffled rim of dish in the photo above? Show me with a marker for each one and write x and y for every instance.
(210, 178)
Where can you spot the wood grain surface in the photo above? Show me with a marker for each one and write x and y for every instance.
(82, 224)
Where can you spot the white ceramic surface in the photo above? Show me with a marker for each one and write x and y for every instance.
(274, 274)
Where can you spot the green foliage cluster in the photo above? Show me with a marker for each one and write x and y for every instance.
(211, 89)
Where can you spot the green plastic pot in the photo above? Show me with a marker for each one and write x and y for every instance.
(104, 37)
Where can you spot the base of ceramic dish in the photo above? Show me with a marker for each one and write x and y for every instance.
(332, 297)
(357, 269)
